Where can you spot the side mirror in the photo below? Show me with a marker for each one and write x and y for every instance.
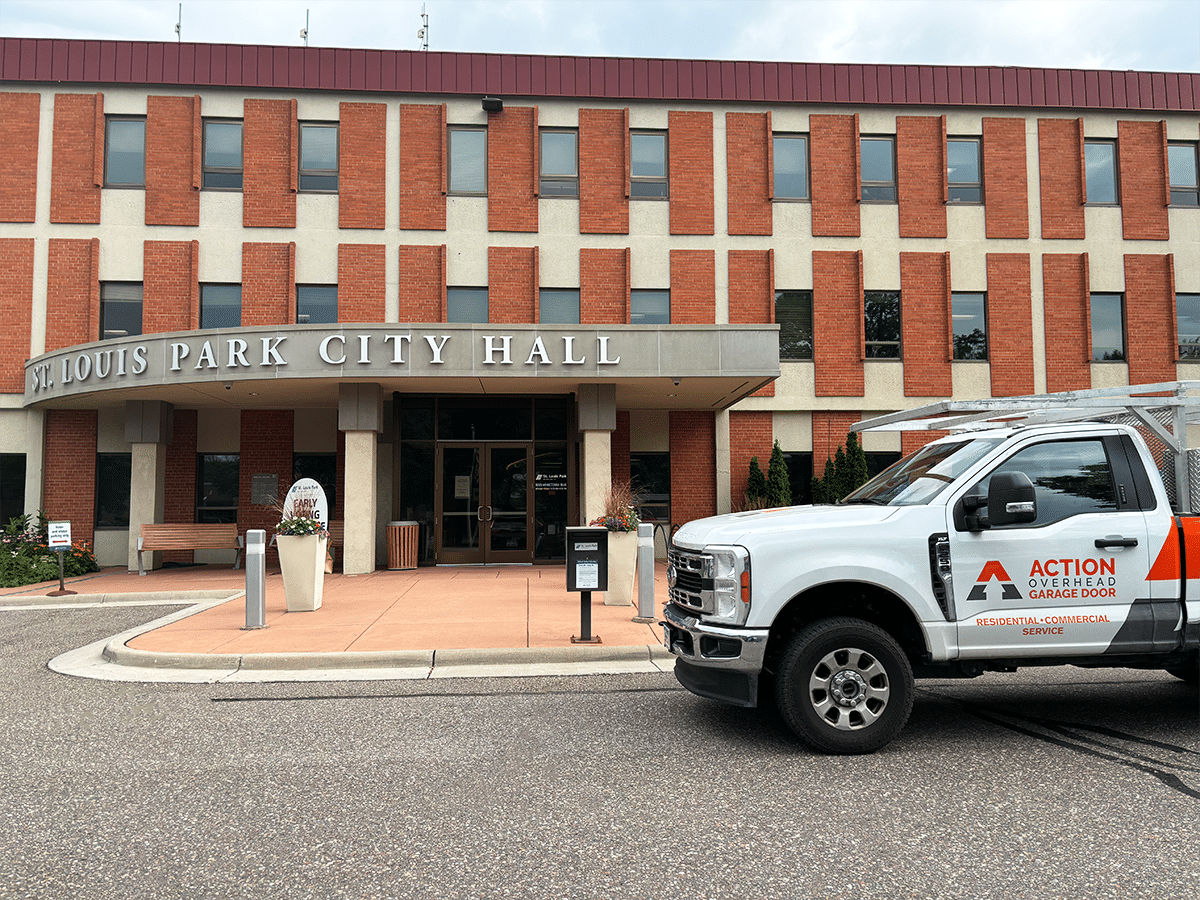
(966, 511)
(1011, 499)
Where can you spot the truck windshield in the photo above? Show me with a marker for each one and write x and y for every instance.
(923, 475)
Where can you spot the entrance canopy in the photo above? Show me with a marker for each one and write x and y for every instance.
(653, 367)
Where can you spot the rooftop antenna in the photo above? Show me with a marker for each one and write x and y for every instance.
(304, 30)
(179, 25)
(423, 31)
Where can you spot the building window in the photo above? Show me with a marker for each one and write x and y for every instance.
(222, 155)
(1187, 318)
(650, 307)
(559, 159)
(1181, 163)
(790, 152)
(794, 315)
(1100, 163)
(318, 157)
(878, 169)
(316, 304)
(800, 475)
(557, 306)
(648, 165)
(125, 152)
(217, 487)
(1108, 327)
(12, 487)
(113, 472)
(969, 315)
(650, 478)
(468, 161)
(321, 468)
(220, 306)
(965, 183)
(120, 309)
(465, 304)
(881, 318)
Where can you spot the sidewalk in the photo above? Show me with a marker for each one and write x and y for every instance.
(445, 621)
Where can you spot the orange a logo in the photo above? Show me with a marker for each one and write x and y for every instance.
(993, 569)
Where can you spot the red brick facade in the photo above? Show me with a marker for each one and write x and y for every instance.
(835, 181)
(361, 282)
(20, 116)
(1010, 324)
(604, 171)
(1068, 330)
(829, 431)
(1151, 348)
(73, 274)
(268, 284)
(603, 286)
(1060, 172)
(921, 175)
(77, 167)
(747, 152)
(170, 286)
(693, 465)
(180, 489)
(1005, 178)
(512, 174)
(926, 336)
(690, 171)
(750, 434)
(693, 287)
(270, 137)
(16, 306)
(173, 157)
(512, 284)
(423, 283)
(1141, 165)
(619, 450)
(69, 482)
(265, 447)
(422, 166)
(838, 323)
(362, 131)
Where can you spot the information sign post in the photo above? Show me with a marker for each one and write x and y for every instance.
(59, 540)
(587, 571)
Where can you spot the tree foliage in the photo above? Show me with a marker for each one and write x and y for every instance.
(845, 472)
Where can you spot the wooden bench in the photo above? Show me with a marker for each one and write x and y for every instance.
(190, 536)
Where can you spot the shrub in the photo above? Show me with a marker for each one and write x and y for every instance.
(26, 558)
(620, 509)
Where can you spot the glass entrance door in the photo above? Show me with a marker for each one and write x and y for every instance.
(484, 500)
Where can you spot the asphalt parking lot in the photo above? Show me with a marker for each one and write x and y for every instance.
(1040, 784)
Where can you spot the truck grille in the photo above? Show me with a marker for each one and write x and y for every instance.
(690, 584)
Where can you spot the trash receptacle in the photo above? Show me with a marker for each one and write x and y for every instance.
(402, 544)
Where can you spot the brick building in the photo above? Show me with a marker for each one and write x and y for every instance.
(471, 290)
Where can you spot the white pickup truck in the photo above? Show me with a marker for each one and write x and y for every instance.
(987, 550)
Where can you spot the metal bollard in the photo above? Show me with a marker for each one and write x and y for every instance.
(645, 576)
(256, 579)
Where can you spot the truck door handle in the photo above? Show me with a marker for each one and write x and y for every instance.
(1113, 540)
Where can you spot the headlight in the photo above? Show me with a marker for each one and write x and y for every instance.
(727, 584)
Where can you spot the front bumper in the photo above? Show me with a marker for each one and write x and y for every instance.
(711, 661)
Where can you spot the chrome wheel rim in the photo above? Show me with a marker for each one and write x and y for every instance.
(849, 689)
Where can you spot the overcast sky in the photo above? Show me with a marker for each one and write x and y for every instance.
(1155, 35)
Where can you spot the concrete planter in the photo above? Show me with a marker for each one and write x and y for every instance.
(302, 562)
(622, 561)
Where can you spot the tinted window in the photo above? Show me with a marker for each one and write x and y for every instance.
(791, 168)
(318, 158)
(559, 307)
(1069, 478)
(125, 160)
(647, 164)
(881, 316)
(1100, 160)
(878, 169)
(220, 305)
(120, 309)
(467, 305)
(113, 472)
(793, 314)
(316, 304)
(468, 161)
(969, 314)
(560, 165)
(223, 155)
(1108, 330)
(962, 171)
(650, 307)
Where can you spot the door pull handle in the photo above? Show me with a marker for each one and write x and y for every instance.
(1110, 541)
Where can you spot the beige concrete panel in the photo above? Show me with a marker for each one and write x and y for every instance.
(968, 267)
(35, 458)
(124, 216)
(880, 441)
(1110, 374)
(876, 121)
(218, 430)
(110, 431)
(649, 217)
(721, 455)
(362, 467)
(793, 430)
(880, 225)
(965, 227)
(972, 380)
(645, 115)
(466, 220)
(1185, 241)
(649, 431)
(318, 107)
(221, 247)
(557, 217)
(560, 268)
(963, 124)
(13, 428)
(317, 237)
(793, 256)
(788, 118)
(315, 431)
(595, 473)
(111, 546)
(147, 496)
(881, 269)
(650, 267)
(884, 383)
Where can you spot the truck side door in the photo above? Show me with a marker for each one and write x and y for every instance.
(1063, 584)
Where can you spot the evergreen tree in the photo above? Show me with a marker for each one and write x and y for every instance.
(779, 485)
(756, 484)
(841, 475)
(857, 461)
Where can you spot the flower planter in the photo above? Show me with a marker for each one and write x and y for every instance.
(622, 561)
(302, 562)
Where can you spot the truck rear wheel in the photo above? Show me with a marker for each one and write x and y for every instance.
(844, 686)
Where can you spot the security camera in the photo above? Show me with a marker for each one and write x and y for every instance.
(228, 386)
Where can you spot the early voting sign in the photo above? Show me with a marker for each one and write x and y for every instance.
(307, 498)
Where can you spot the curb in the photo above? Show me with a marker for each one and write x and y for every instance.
(142, 598)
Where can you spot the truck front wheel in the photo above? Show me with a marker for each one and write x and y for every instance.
(844, 686)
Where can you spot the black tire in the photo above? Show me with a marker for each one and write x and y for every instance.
(1190, 674)
(844, 686)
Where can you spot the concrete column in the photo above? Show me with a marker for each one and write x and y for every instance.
(360, 417)
(724, 491)
(147, 496)
(360, 502)
(596, 473)
(35, 461)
